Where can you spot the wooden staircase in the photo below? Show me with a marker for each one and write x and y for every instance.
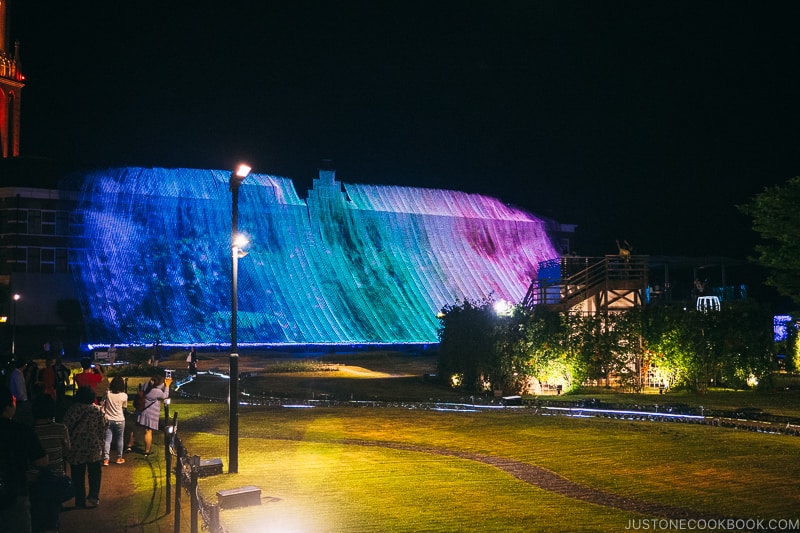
(590, 284)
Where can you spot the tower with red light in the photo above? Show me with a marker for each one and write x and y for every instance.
(11, 84)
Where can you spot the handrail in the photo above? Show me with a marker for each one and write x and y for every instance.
(569, 280)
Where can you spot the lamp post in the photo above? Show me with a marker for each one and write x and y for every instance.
(14, 325)
(236, 179)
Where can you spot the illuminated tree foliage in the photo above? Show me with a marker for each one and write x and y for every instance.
(601, 344)
(631, 358)
(777, 219)
(688, 349)
(662, 332)
(545, 336)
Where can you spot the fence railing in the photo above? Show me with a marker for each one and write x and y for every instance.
(567, 281)
(187, 475)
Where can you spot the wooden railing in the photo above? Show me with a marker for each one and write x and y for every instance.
(568, 281)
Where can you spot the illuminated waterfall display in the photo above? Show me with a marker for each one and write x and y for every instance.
(351, 264)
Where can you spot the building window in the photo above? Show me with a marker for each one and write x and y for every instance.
(48, 261)
(62, 223)
(19, 259)
(62, 263)
(17, 221)
(34, 222)
(48, 222)
(34, 260)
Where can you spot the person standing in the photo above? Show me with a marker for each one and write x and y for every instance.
(156, 355)
(19, 389)
(154, 393)
(47, 378)
(31, 378)
(114, 407)
(89, 377)
(112, 354)
(55, 440)
(102, 385)
(87, 428)
(62, 379)
(192, 360)
(19, 449)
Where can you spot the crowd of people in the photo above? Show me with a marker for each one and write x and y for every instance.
(46, 434)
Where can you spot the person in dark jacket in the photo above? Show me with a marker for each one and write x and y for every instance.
(20, 449)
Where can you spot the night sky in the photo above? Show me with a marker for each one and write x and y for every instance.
(638, 120)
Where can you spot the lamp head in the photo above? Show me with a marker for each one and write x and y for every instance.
(238, 175)
(242, 171)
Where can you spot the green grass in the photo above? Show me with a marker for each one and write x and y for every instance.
(315, 476)
(321, 483)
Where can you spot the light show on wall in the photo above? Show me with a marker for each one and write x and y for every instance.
(351, 264)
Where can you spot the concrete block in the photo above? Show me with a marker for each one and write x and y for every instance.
(210, 467)
(241, 497)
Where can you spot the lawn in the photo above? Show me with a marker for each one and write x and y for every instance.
(318, 473)
(404, 469)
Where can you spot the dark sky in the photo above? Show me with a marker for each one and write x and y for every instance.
(640, 120)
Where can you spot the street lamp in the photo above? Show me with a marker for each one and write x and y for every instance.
(237, 177)
(14, 324)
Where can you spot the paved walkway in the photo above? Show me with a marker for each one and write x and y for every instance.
(124, 506)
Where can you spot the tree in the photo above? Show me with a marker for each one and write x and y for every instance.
(511, 367)
(777, 219)
(597, 342)
(747, 343)
(632, 355)
(543, 347)
(467, 344)
(662, 330)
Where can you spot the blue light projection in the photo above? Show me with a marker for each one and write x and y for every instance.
(351, 264)
(781, 325)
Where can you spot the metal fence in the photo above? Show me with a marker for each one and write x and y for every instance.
(188, 472)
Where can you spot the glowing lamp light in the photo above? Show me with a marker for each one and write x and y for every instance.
(502, 308)
(242, 171)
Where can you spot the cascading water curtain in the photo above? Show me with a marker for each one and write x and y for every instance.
(351, 264)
